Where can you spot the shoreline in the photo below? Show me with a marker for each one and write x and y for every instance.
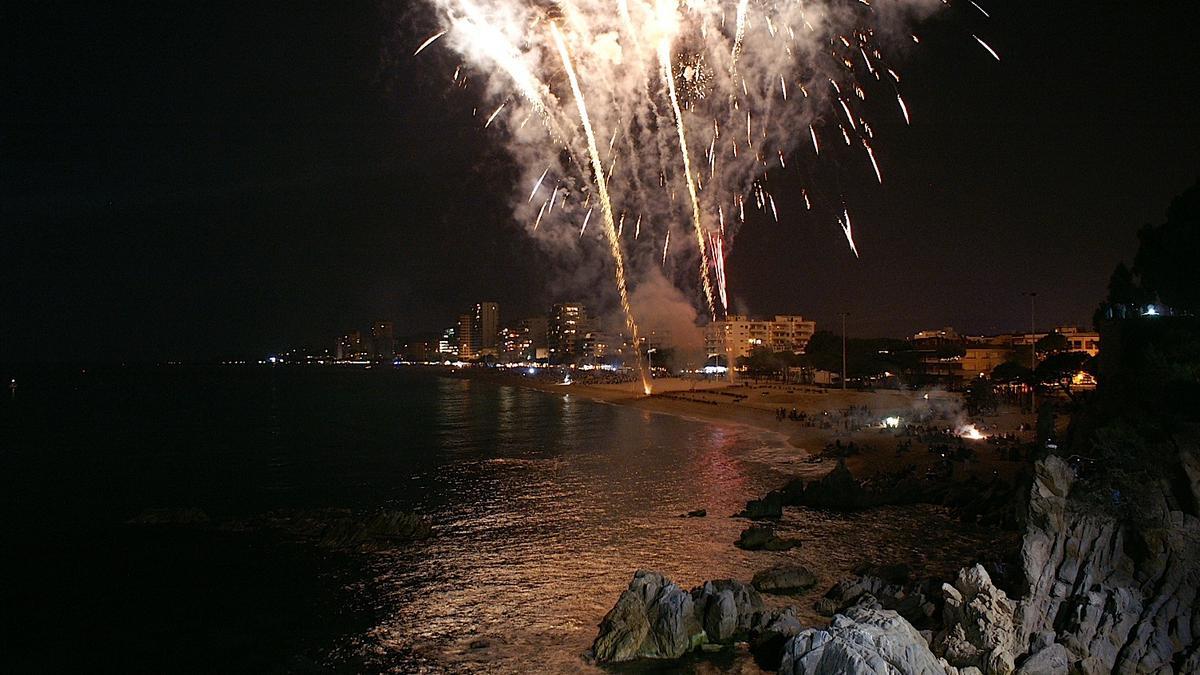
(828, 416)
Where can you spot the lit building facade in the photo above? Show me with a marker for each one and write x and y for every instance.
(979, 360)
(383, 340)
(568, 326)
(536, 331)
(737, 335)
(486, 333)
(350, 347)
(448, 344)
(467, 342)
(1081, 340)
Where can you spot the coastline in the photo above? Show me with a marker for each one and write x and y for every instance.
(754, 405)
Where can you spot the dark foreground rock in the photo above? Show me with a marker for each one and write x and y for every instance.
(769, 507)
(784, 579)
(771, 630)
(763, 538)
(918, 602)
(992, 502)
(656, 619)
(868, 641)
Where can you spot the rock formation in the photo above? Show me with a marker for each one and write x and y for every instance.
(1101, 594)
(763, 538)
(1117, 598)
(867, 641)
(979, 624)
(726, 608)
(656, 619)
(917, 602)
(784, 579)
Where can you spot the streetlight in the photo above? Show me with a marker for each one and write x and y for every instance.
(843, 315)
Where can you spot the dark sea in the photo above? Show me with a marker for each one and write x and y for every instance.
(543, 506)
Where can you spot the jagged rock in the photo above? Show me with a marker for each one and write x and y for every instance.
(862, 641)
(1121, 599)
(772, 629)
(769, 507)
(784, 579)
(653, 618)
(827, 606)
(837, 490)
(898, 573)
(916, 602)
(698, 513)
(846, 593)
(979, 621)
(1051, 660)
(763, 537)
(1192, 664)
(170, 516)
(725, 608)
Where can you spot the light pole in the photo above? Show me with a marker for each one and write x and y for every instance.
(1032, 351)
(843, 315)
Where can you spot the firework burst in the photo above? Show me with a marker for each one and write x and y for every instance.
(674, 112)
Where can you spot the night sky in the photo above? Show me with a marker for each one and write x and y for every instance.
(197, 181)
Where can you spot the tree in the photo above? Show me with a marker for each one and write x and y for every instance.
(1011, 372)
(981, 397)
(1052, 343)
(824, 351)
(761, 362)
(1060, 369)
(1164, 268)
(1166, 258)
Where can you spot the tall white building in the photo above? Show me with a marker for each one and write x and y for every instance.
(738, 335)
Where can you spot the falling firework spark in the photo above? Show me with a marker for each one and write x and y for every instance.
(610, 228)
(849, 231)
(538, 184)
(432, 39)
(987, 47)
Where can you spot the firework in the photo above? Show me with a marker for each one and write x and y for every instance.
(650, 77)
(610, 227)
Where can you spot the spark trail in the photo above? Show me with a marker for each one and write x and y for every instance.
(610, 226)
(664, 55)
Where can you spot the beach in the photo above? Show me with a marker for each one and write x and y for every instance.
(757, 404)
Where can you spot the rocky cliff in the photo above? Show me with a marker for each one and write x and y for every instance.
(1120, 598)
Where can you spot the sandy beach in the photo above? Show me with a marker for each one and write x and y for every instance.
(824, 419)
